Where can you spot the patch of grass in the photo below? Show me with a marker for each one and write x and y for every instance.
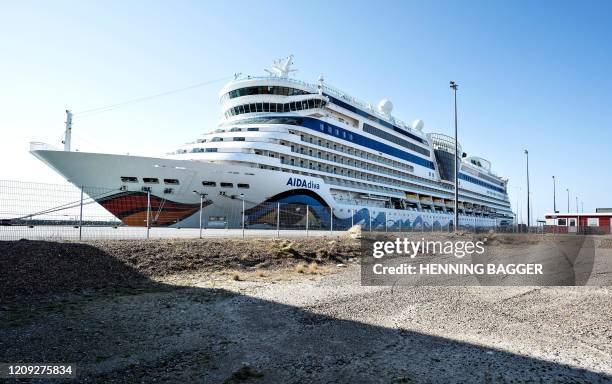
(260, 273)
(313, 268)
(236, 276)
(300, 268)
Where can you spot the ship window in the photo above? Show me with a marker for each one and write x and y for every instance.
(150, 180)
(146, 189)
(211, 149)
(171, 181)
(215, 139)
(227, 185)
(244, 186)
(168, 191)
(235, 129)
(239, 139)
(129, 179)
(209, 184)
(252, 129)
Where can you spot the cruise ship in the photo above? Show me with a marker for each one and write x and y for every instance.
(284, 142)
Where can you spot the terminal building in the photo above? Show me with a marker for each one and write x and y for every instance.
(599, 222)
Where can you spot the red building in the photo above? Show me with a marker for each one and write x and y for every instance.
(591, 223)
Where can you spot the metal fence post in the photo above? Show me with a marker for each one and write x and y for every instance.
(201, 206)
(278, 219)
(400, 225)
(352, 217)
(307, 220)
(148, 213)
(243, 217)
(81, 217)
(331, 219)
(370, 219)
(385, 221)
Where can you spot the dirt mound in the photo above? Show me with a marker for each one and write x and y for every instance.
(41, 267)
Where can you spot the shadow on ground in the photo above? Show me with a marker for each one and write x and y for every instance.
(118, 325)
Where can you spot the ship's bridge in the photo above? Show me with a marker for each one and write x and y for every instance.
(444, 149)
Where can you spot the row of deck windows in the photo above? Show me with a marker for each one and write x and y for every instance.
(274, 107)
(394, 139)
(148, 180)
(354, 152)
(263, 90)
(225, 184)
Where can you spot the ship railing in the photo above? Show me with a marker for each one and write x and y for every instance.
(40, 146)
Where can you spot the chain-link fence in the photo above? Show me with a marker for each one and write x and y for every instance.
(39, 211)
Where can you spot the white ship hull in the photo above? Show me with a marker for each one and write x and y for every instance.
(100, 175)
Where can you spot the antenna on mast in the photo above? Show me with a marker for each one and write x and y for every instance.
(68, 133)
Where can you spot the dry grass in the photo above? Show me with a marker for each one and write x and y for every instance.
(313, 268)
(300, 268)
(236, 276)
(260, 273)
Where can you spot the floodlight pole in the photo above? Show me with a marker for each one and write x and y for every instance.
(554, 195)
(528, 205)
(454, 87)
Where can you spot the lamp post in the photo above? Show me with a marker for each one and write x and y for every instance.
(202, 196)
(528, 210)
(554, 196)
(577, 210)
(567, 189)
(454, 87)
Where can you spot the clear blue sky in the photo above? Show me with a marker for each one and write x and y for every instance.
(532, 75)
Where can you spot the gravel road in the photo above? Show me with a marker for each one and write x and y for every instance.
(281, 326)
